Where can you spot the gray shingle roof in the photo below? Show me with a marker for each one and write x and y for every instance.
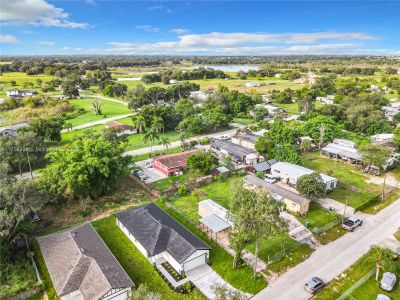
(76, 256)
(231, 148)
(157, 231)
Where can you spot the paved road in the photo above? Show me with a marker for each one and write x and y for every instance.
(331, 260)
(110, 99)
(175, 144)
(99, 122)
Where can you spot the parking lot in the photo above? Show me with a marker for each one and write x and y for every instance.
(152, 173)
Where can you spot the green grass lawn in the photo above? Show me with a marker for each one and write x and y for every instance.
(318, 217)
(109, 109)
(221, 261)
(294, 252)
(343, 172)
(354, 198)
(20, 78)
(166, 183)
(366, 291)
(134, 263)
(246, 122)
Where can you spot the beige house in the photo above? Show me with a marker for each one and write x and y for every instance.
(293, 202)
(245, 140)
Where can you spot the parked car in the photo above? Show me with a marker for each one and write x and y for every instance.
(388, 281)
(270, 178)
(224, 137)
(140, 174)
(382, 297)
(352, 223)
(314, 285)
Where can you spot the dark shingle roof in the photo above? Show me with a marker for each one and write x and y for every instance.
(157, 231)
(75, 255)
(231, 148)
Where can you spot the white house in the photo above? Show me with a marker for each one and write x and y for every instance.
(391, 110)
(382, 138)
(290, 173)
(15, 93)
(12, 130)
(245, 140)
(160, 238)
(272, 109)
(326, 100)
(278, 75)
(199, 95)
(252, 84)
(173, 81)
(266, 98)
(81, 266)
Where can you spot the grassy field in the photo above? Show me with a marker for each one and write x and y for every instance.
(20, 78)
(134, 263)
(109, 109)
(366, 291)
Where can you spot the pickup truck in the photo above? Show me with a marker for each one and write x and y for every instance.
(352, 223)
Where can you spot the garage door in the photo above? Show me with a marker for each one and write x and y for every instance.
(194, 262)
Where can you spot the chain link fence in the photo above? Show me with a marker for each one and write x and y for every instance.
(347, 294)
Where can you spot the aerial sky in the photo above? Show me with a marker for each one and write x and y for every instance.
(34, 27)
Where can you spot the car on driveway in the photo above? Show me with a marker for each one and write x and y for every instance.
(140, 174)
(270, 179)
(382, 297)
(314, 285)
(388, 281)
(352, 223)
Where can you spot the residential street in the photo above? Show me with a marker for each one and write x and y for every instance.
(331, 260)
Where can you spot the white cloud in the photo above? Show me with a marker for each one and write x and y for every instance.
(71, 48)
(247, 44)
(180, 31)
(8, 39)
(46, 43)
(160, 7)
(36, 12)
(148, 28)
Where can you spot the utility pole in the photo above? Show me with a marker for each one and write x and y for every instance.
(345, 208)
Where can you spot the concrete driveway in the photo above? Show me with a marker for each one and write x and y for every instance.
(152, 173)
(329, 261)
(204, 278)
(337, 206)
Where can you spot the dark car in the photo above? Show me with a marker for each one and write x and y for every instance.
(140, 174)
(314, 285)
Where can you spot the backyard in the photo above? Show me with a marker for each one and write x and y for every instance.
(368, 290)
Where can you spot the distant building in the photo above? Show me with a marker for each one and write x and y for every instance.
(173, 81)
(278, 75)
(15, 93)
(252, 84)
(12, 130)
(290, 173)
(343, 150)
(237, 152)
(266, 98)
(326, 100)
(265, 166)
(246, 140)
(383, 137)
(272, 109)
(81, 266)
(121, 128)
(199, 95)
(171, 164)
(293, 202)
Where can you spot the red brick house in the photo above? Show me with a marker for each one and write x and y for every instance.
(172, 163)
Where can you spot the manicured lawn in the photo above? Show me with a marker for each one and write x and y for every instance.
(109, 109)
(343, 172)
(354, 198)
(366, 291)
(246, 122)
(286, 251)
(134, 263)
(290, 108)
(318, 217)
(220, 260)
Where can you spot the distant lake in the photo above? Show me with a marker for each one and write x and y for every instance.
(230, 68)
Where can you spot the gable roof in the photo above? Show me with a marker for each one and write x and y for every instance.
(157, 231)
(233, 149)
(78, 259)
(296, 171)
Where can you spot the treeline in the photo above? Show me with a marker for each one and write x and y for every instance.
(198, 73)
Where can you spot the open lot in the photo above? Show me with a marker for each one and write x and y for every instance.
(109, 109)
(20, 78)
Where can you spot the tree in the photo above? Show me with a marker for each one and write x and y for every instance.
(86, 168)
(286, 153)
(202, 162)
(311, 185)
(198, 194)
(256, 215)
(143, 292)
(96, 105)
(237, 242)
(224, 292)
(312, 128)
(139, 123)
(13, 82)
(158, 124)
(305, 145)
(383, 259)
(375, 156)
(262, 145)
(48, 129)
(164, 141)
(70, 89)
(150, 136)
(17, 199)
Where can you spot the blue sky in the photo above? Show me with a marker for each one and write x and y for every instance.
(199, 27)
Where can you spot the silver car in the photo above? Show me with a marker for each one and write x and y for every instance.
(388, 281)
(382, 297)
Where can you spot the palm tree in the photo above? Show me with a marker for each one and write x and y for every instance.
(68, 126)
(165, 142)
(139, 123)
(383, 258)
(150, 136)
(158, 124)
(182, 137)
